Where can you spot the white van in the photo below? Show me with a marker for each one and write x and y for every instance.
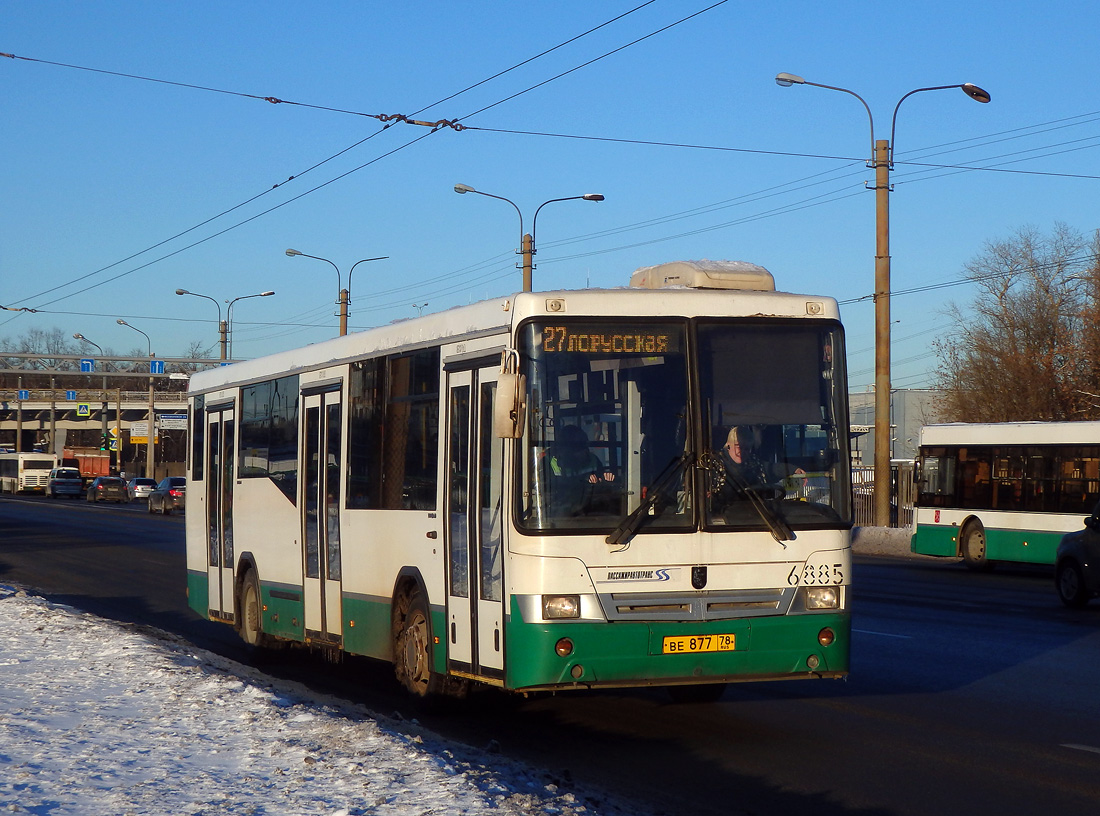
(64, 481)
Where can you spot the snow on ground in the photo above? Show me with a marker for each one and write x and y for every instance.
(99, 718)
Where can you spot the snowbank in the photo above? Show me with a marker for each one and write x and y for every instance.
(101, 718)
(882, 541)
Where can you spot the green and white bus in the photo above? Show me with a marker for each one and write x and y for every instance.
(403, 492)
(1005, 491)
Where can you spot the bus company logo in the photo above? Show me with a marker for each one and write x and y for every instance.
(639, 575)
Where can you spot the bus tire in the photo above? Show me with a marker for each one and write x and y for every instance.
(1070, 582)
(972, 546)
(412, 645)
(251, 628)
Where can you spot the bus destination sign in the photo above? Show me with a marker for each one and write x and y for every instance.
(593, 340)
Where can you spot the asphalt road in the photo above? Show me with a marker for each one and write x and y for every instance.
(969, 693)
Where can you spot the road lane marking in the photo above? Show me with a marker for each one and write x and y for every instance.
(1090, 748)
(882, 634)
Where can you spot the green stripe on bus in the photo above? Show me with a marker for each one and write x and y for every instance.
(198, 592)
(630, 652)
(933, 540)
(1025, 546)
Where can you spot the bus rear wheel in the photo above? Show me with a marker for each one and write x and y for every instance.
(412, 646)
(973, 547)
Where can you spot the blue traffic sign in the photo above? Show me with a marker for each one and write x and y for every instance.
(156, 366)
(70, 395)
(87, 365)
(24, 394)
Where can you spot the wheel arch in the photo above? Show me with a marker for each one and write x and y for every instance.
(246, 565)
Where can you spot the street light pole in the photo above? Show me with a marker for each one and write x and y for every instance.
(365, 260)
(103, 411)
(222, 330)
(151, 434)
(527, 239)
(881, 160)
(344, 296)
(229, 314)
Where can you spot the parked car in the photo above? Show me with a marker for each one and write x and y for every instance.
(64, 481)
(139, 487)
(168, 496)
(1077, 564)
(108, 488)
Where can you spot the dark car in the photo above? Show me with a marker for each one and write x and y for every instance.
(108, 488)
(168, 496)
(1077, 564)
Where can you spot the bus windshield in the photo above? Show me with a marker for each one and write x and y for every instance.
(617, 410)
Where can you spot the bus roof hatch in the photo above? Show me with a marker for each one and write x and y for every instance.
(704, 275)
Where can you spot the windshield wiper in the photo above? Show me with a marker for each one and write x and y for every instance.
(777, 525)
(628, 526)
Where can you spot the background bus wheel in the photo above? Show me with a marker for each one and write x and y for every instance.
(412, 646)
(252, 613)
(1070, 582)
(708, 693)
(973, 548)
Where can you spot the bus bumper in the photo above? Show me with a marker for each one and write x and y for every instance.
(624, 654)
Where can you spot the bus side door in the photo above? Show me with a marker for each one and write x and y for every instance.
(321, 478)
(220, 474)
(474, 526)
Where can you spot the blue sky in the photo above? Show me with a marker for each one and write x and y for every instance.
(117, 191)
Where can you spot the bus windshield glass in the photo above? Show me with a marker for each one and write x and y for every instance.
(612, 423)
(772, 399)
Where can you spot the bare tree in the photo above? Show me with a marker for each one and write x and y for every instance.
(1025, 348)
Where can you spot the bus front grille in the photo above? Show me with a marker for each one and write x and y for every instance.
(709, 605)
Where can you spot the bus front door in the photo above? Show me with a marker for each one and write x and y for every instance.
(321, 471)
(474, 528)
(219, 510)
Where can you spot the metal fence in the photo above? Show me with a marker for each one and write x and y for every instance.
(903, 493)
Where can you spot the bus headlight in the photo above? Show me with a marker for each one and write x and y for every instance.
(556, 607)
(821, 597)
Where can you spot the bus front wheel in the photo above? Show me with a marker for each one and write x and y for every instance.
(251, 613)
(973, 547)
(412, 646)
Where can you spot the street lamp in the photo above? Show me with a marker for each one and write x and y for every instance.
(344, 295)
(150, 461)
(882, 159)
(419, 308)
(229, 314)
(527, 240)
(221, 323)
(103, 412)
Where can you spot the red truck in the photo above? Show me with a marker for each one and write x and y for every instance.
(91, 462)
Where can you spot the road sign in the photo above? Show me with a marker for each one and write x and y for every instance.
(87, 365)
(156, 366)
(83, 409)
(172, 422)
(24, 394)
(139, 433)
(70, 395)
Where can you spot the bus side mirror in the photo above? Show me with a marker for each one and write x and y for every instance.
(510, 406)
